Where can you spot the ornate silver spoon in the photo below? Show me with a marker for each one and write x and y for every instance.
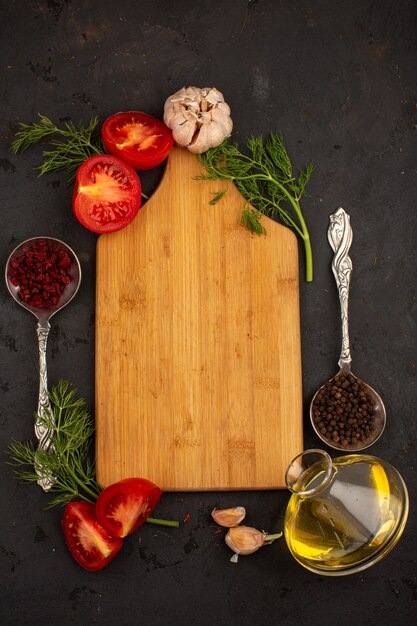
(43, 315)
(340, 239)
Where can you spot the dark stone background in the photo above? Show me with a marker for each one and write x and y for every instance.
(338, 79)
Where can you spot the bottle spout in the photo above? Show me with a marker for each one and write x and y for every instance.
(309, 473)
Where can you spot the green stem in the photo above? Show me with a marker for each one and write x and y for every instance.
(79, 482)
(309, 259)
(304, 234)
(163, 522)
(271, 538)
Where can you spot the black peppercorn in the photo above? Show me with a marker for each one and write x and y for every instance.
(343, 410)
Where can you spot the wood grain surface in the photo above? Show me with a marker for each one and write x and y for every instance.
(198, 360)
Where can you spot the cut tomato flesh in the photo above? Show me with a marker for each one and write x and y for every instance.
(138, 135)
(89, 540)
(110, 200)
(107, 194)
(89, 543)
(125, 511)
(124, 506)
(137, 138)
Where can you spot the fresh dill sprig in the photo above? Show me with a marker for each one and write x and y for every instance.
(67, 463)
(217, 195)
(251, 219)
(266, 180)
(70, 145)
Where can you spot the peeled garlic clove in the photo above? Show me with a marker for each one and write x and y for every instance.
(244, 540)
(229, 517)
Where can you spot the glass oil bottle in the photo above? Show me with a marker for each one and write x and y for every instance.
(344, 515)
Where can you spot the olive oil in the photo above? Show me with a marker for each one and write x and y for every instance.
(351, 522)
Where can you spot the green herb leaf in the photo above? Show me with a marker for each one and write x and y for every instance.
(67, 462)
(71, 145)
(218, 195)
(266, 180)
(251, 219)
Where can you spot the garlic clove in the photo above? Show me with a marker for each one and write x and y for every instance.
(184, 133)
(229, 517)
(211, 113)
(181, 118)
(244, 540)
(222, 119)
(215, 134)
(222, 107)
(199, 142)
(213, 96)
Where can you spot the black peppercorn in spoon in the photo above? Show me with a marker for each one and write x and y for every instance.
(346, 413)
(43, 274)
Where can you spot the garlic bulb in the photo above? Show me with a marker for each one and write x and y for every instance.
(245, 540)
(199, 118)
(229, 517)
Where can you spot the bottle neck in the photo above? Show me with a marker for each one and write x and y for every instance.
(310, 473)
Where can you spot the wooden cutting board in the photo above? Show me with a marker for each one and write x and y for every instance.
(198, 360)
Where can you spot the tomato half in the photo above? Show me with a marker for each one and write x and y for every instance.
(124, 506)
(90, 545)
(138, 138)
(107, 194)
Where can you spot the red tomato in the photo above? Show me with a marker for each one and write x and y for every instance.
(107, 194)
(124, 506)
(90, 545)
(139, 139)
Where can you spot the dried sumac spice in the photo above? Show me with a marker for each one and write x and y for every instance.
(41, 273)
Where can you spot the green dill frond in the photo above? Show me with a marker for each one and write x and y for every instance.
(32, 133)
(217, 195)
(303, 178)
(266, 180)
(67, 462)
(69, 147)
(251, 219)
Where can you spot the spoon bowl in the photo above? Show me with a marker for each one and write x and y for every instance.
(338, 415)
(379, 420)
(43, 422)
(67, 294)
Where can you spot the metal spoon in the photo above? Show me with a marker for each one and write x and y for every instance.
(340, 239)
(44, 434)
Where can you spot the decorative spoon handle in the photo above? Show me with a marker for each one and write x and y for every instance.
(42, 432)
(340, 238)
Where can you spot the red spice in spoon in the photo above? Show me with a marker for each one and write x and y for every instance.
(42, 273)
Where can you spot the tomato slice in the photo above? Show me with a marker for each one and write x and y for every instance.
(89, 543)
(124, 506)
(138, 138)
(107, 194)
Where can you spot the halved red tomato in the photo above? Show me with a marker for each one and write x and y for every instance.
(124, 506)
(89, 543)
(107, 194)
(138, 138)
